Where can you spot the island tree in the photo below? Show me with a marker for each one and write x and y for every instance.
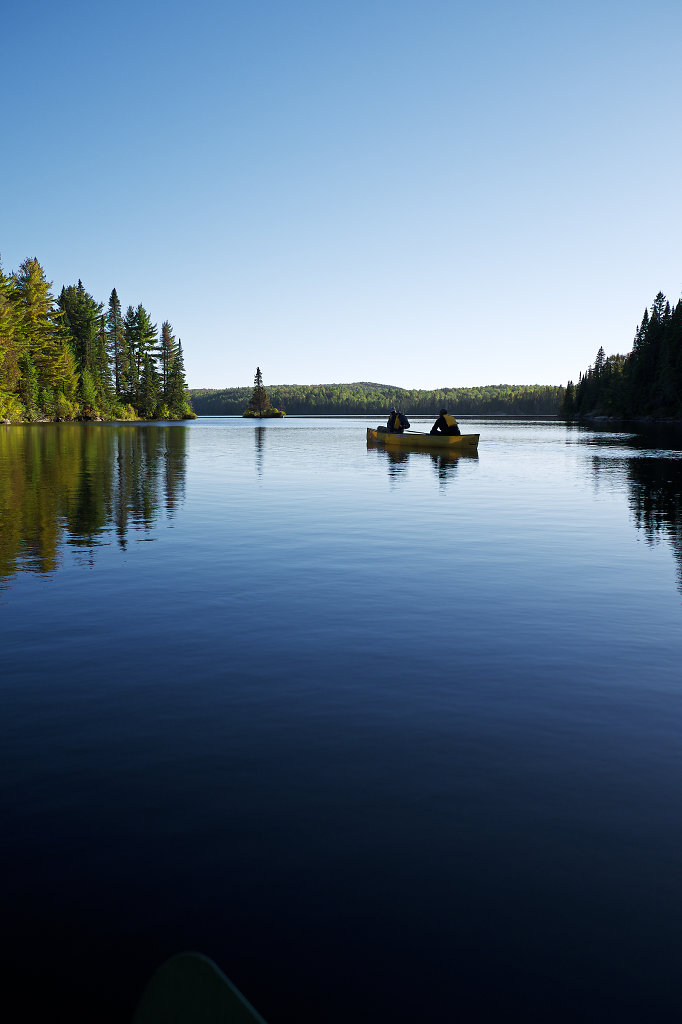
(259, 398)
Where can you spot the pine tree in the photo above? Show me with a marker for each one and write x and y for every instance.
(145, 341)
(82, 314)
(29, 387)
(9, 325)
(168, 350)
(116, 342)
(259, 398)
(41, 332)
(176, 394)
(103, 382)
(148, 397)
(35, 322)
(88, 393)
(130, 383)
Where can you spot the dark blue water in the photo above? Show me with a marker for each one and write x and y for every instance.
(390, 737)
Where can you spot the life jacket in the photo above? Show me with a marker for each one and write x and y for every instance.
(450, 420)
(397, 422)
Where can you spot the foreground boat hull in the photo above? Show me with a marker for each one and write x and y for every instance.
(451, 442)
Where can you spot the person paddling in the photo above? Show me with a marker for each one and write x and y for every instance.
(445, 424)
(397, 422)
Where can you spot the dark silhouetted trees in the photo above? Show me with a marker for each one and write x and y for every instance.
(645, 382)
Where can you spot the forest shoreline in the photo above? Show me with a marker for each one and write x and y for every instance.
(88, 423)
(640, 420)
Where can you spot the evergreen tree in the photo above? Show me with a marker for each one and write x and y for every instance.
(34, 319)
(88, 393)
(130, 384)
(103, 383)
(259, 398)
(64, 377)
(116, 343)
(145, 341)
(176, 394)
(9, 364)
(41, 332)
(29, 385)
(82, 314)
(168, 350)
(148, 398)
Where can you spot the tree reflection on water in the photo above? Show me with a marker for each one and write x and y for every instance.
(654, 487)
(259, 436)
(655, 501)
(76, 483)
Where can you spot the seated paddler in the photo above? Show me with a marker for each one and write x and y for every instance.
(445, 424)
(397, 422)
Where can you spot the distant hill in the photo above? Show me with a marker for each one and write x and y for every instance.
(377, 399)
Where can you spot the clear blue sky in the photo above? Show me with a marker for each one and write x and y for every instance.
(415, 192)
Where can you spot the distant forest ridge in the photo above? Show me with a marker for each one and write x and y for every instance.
(365, 397)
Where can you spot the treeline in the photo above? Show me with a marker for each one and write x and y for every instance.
(377, 399)
(645, 382)
(68, 358)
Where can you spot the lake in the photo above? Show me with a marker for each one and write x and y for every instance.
(391, 737)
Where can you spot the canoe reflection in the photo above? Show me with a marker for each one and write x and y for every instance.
(444, 463)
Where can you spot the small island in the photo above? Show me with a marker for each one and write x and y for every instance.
(259, 406)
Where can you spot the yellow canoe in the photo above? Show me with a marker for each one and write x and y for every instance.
(415, 439)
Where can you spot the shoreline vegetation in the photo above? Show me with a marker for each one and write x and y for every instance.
(643, 386)
(377, 399)
(68, 359)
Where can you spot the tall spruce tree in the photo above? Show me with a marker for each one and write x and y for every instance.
(41, 332)
(176, 394)
(568, 406)
(168, 350)
(9, 325)
(103, 383)
(82, 314)
(130, 384)
(116, 343)
(144, 337)
(29, 387)
(148, 396)
(259, 398)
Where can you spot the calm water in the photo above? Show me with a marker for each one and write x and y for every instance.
(391, 738)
